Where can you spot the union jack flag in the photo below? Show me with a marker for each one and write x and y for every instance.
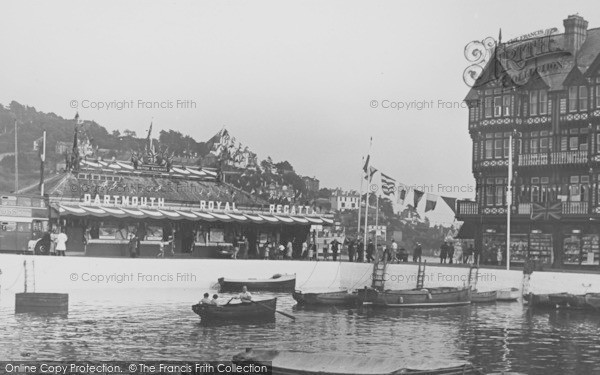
(549, 210)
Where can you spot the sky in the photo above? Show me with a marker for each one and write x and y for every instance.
(305, 81)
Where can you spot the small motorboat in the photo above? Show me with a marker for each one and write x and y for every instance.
(257, 310)
(276, 283)
(425, 297)
(297, 363)
(508, 294)
(336, 297)
(483, 297)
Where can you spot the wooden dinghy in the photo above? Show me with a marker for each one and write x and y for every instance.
(508, 295)
(276, 283)
(483, 297)
(426, 297)
(260, 310)
(296, 363)
(325, 298)
(592, 301)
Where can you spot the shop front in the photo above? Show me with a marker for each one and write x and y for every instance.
(179, 213)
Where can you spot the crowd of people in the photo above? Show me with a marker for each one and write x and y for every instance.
(53, 242)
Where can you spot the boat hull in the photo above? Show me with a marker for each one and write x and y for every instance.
(559, 301)
(508, 295)
(342, 298)
(261, 310)
(592, 300)
(432, 297)
(296, 363)
(483, 297)
(283, 284)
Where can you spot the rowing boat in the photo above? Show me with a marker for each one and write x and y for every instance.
(337, 297)
(261, 310)
(296, 363)
(508, 295)
(276, 283)
(426, 297)
(483, 297)
(592, 300)
(558, 301)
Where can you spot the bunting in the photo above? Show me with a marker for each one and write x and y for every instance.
(372, 171)
(417, 197)
(451, 202)
(388, 185)
(430, 202)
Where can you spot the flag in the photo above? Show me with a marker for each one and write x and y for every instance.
(417, 197)
(372, 172)
(402, 191)
(550, 210)
(37, 145)
(366, 166)
(430, 202)
(148, 139)
(75, 141)
(388, 185)
(451, 202)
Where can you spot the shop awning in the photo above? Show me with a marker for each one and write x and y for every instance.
(159, 214)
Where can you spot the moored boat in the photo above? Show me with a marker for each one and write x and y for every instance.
(483, 297)
(558, 301)
(276, 283)
(296, 363)
(426, 297)
(508, 294)
(592, 300)
(259, 310)
(336, 297)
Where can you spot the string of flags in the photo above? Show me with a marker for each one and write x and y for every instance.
(391, 187)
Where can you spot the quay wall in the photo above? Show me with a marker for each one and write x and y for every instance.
(63, 274)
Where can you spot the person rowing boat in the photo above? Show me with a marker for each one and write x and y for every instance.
(245, 295)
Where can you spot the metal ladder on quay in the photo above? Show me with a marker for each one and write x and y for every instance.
(421, 275)
(379, 269)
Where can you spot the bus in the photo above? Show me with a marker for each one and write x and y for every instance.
(23, 218)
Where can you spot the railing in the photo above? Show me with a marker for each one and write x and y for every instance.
(569, 157)
(467, 208)
(524, 209)
(526, 160)
(575, 208)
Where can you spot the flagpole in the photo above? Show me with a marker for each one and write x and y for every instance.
(42, 160)
(508, 201)
(16, 159)
(376, 218)
(368, 176)
(360, 202)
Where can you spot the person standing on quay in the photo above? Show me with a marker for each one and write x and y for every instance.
(325, 250)
(361, 251)
(418, 253)
(467, 254)
(290, 249)
(370, 251)
(335, 248)
(443, 252)
(61, 243)
(476, 253)
(450, 253)
(395, 252)
(351, 250)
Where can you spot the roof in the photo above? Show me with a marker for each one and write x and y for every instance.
(506, 68)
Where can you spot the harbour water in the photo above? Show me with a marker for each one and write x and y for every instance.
(134, 324)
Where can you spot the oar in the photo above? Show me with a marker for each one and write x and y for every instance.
(277, 311)
(232, 298)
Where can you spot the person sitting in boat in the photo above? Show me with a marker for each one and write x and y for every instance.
(205, 300)
(213, 301)
(245, 295)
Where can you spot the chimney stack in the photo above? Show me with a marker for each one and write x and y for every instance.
(575, 33)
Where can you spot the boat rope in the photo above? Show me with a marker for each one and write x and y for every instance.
(360, 279)
(336, 274)
(309, 276)
(17, 279)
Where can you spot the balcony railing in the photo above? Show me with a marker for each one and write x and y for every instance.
(467, 208)
(575, 208)
(526, 160)
(568, 208)
(568, 157)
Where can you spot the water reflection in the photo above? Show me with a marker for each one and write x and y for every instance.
(127, 325)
